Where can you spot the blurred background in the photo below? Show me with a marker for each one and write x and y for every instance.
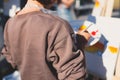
(80, 10)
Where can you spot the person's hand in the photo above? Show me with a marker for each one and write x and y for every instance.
(85, 34)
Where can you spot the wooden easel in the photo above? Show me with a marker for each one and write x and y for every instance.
(108, 8)
(107, 12)
(105, 8)
(117, 69)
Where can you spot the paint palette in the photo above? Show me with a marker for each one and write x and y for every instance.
(93, 30)
(95, 34)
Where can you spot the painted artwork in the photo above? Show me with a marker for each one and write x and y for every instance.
(101, 57)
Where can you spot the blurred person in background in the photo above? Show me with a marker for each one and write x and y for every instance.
(65, 9)
(43, 46)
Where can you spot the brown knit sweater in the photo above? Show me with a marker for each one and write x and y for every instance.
(43, 47)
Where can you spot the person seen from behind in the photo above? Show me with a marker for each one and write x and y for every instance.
(43, 46)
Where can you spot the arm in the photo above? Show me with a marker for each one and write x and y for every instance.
(5, 50)
(82, 37)
(66, 56)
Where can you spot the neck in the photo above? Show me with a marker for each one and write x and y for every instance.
(34, 2)
(31, 5)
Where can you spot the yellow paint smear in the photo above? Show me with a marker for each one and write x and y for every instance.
(113, 49)
(83, 27)
(97, 3)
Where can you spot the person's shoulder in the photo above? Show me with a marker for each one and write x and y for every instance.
(53, 18)
(63, 23)
(8, 21)
(60, 20)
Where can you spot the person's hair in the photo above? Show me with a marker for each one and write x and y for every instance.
(46, 3)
